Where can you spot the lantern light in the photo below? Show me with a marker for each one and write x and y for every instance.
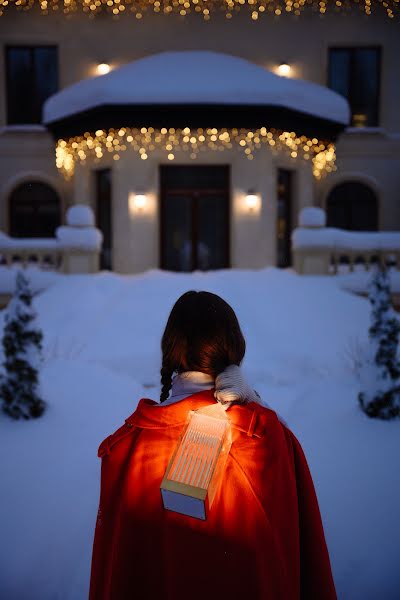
(252, 201)
(196, 468)
(140, 201)
(137, 202)
(103, 68)
(284, 69)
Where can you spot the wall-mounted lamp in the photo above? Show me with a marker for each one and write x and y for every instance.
(284, 69)
(103, 68)
(137, 202)
(252, 201)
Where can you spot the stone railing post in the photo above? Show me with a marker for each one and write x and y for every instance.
(311, 260)
(80, 241)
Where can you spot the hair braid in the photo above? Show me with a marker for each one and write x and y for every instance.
(166, 382)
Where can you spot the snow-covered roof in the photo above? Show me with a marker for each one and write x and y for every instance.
(196, 78)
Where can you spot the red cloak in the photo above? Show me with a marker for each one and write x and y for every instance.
(263, 538)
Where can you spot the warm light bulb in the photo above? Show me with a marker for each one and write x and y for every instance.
(137, 202)
(252, 201)
(103, 69)
(140, 201)
(284, 70)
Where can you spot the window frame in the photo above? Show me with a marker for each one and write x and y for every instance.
(8, 75)
(352, 52)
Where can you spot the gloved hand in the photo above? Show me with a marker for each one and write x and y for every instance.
(231, 386)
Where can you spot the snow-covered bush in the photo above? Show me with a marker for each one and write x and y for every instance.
(380, 372)
(22, 345)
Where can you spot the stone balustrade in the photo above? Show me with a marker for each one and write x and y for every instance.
(74, 249)
(320, 250)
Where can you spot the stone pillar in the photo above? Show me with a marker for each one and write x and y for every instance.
(310, 255)
(80, 241)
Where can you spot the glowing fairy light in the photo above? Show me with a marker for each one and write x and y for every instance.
(255, 8)
(144, 141)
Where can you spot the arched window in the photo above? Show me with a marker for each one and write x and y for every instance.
(34, 209)
(352, 205)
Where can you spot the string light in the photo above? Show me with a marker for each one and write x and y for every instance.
(171, 141)
(255, 8)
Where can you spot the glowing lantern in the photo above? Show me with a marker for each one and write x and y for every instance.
(196, 467)
(103, 68)
(284, 70)
(252, 201)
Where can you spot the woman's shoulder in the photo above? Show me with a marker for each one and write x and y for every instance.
(127, 428)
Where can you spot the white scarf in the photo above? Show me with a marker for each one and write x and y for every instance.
(187, 383)
(230, 385)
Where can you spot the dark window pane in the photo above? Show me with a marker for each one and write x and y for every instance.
(284, 221)
(46, 76)
(178, 240)
(355, 73)
(339, 69)
(19, 85)
(32, 76)
(211, 239)
(104, 215)
(34, 210)
(352, 205)
(195, 178)
(365, 86)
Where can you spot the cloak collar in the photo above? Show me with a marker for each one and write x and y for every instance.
(249, 418)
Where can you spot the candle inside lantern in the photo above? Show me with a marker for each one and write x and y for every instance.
(196, 467)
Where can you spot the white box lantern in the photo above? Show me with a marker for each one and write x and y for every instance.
(196, 468)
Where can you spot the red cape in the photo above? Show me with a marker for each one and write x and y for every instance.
(263, 539)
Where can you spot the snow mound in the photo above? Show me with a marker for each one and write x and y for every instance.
(80, 215)
(102, 354)
(331, 237)
(312, 216)
(196, 77)
(88, 238)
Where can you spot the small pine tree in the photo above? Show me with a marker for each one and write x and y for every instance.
(22, 346)
(380, 372)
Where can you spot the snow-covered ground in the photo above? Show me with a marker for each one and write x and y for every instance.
(102, 338)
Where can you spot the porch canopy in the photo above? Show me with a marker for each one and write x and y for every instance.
(195, 89)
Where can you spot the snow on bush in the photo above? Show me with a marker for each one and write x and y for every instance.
(22, 344)
(380, 373)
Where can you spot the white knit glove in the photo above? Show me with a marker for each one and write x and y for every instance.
(230, 385)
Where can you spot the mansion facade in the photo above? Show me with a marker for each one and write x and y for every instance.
(196, 143)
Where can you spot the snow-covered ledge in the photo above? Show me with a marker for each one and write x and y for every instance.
(75, 248)
(319, 250)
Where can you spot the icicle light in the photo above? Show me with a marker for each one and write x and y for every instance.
(172, 141)
(255, 8)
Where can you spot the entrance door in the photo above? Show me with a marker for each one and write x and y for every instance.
(194, 218)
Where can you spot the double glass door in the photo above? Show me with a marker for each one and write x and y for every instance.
(194, 218)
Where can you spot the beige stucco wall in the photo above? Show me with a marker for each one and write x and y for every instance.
(304, 43)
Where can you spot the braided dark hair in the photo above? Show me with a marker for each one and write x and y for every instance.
(202, 334)
(166, 382)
